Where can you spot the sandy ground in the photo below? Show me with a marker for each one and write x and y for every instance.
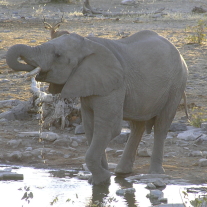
(22, 23)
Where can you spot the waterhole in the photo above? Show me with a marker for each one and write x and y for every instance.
(46, 187)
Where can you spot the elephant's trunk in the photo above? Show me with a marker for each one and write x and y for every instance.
(19, 51)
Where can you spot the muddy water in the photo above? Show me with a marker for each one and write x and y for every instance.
(61, 188)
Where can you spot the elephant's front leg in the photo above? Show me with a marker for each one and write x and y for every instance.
(107, 125)
(125, 165)
(88, 122)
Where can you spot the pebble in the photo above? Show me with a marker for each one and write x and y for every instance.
(203, 163)
(83, 176)
(150, 186)
(122, 192)
(144, 152)
(157, 194)
(119, 152)
(79, 129)
(74, 144)
(49, 136)
(121, 138)
(14, 143)
(159, 183)
(195, 154)
(62, 142)
(189, 135)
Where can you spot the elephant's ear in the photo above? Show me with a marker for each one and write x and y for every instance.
(98, 73)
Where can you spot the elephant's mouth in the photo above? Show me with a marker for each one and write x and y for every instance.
(53, 87)
(41, 77)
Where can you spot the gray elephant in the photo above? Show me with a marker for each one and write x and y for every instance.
(140, 79)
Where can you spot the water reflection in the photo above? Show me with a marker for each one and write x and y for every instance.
(129, 197)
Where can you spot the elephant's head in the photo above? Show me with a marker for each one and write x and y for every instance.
(75, 66)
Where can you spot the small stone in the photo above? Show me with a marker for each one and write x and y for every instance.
(144, 152)
(83, 176)
(85, 167)
(150, 186)
(195, 154)
(175, 127)
(79, 129)
(74, 144)
(159, 183)
(119, 152)
(62, 142)
(49, 136)
(189, 135)
(163, 200)
(112, 166)
(120, 192)
(109, 149)
(15, 156)
(28, 149)
(122, 138)
(203, 163)
(157, 194)
(14, 143)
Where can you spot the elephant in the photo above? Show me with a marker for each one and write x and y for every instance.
(140, 78)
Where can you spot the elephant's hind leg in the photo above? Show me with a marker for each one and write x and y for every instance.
(161, 127)
(126, 163)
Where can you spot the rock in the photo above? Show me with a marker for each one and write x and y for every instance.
(176, 127)
(125, 191)
(85, 167)
(189, 135)
(122, 138)
(29, 134)
(182, 143)
(74, 144)
(14, 143)
(83, 176)
(204, 153)
(109, 149)
(15, 156)
(163, 200)
(62, 142)
(150, 186)
(112, 166)
(195, 154)
(49, 136)
(203, 163)
(170, 154)
(204, 126)
(159, 183)
(120, 192)
(156, 194)
(144, 152)
(11, 176)
(79, 139)
(119, 152)
(79, 129)
(199, 9)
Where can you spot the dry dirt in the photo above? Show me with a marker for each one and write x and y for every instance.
(171, 23)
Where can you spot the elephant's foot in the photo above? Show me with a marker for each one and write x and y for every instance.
(156, 170)
(123, 171)
(100, 179)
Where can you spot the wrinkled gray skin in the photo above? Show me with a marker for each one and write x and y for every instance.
(140, 79)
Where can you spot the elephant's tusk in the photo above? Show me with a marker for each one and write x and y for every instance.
(33, 72)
